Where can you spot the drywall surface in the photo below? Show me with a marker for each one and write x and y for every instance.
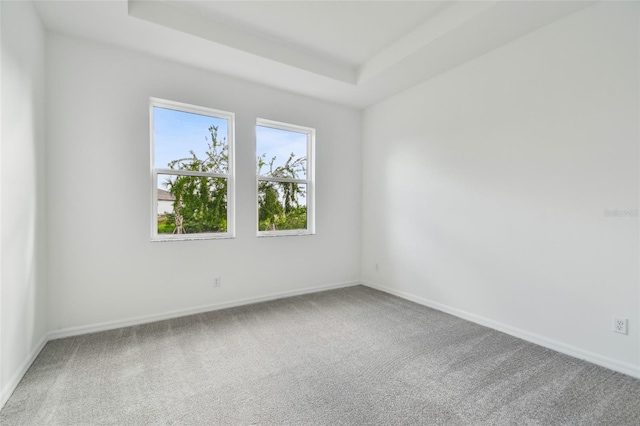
(103, 266)
(507, 188)
(23, 237)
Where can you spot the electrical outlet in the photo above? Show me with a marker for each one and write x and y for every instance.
(620, 325)
(217, 281)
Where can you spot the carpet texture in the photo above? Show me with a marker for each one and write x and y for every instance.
(348, 356)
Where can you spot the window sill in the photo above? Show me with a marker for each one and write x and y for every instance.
(186, 237)
(264, 234)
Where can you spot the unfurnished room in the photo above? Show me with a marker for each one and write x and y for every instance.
(319, 212)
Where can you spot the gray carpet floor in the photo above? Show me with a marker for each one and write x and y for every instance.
(348, 356)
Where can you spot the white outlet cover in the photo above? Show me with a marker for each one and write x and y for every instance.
(619, 325)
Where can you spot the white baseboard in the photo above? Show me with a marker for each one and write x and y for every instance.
(594, 358)
(612, 364)
(111, 325)
(11, 386)
(8, 389)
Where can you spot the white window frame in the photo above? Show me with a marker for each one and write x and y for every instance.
(309, 181)
(230, 176)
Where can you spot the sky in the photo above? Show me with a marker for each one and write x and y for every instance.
(280, 143)
(175, 133)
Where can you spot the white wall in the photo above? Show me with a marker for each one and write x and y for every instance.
(103, 266)
(22, 242)
(485, 188)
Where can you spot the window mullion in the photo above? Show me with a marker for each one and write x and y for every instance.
(191, 173)
(284, 180)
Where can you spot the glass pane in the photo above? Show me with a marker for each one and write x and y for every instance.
(191, 204)
(281, 206)
(281, 153)
(186, 141)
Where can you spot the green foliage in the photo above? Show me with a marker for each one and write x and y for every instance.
(200, 203)
(166, 224)
(279, 202)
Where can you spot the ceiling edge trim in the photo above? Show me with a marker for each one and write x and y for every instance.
(167, 15)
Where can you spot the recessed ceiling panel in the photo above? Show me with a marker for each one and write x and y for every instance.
(347, 32)
(310, 47)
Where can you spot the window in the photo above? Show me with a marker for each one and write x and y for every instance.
(192, 168)
(285, 178)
